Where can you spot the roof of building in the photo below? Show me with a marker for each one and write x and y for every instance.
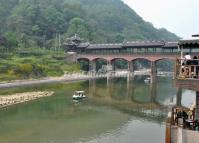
(75, 38)
(192, 41)
(105, 46)
(135, 44)
(144, 44)
(83, 45)
(77, 42)
(171, 44)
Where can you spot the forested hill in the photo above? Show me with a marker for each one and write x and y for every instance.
(33, 21)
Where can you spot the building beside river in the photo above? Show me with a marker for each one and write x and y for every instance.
(183, 123)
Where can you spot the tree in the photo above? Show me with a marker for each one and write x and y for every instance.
(11, 39)
(78, 26)
(3, 41)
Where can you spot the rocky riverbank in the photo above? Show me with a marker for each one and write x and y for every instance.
(8, 100)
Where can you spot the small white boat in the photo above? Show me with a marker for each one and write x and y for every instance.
(78, 95)
(147, 80)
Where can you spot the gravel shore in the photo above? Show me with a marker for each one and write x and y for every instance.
(8, 100)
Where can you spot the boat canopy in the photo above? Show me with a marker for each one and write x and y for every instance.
(79, 92)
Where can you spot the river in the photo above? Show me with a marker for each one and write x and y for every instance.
(114, 112)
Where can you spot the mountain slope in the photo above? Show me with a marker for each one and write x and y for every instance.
(33, 22)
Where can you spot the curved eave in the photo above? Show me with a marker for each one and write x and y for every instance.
(144, 44)
(104, 46)
(189, 42)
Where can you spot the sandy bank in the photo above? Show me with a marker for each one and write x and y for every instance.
(8, 100)
(70, 78)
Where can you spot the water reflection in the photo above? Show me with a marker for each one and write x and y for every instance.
(133, 97)
(122, 89)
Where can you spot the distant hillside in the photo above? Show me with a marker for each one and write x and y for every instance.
(33, 22)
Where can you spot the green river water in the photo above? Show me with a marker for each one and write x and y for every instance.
(114, 112)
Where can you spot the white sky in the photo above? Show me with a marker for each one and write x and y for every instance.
(178, 16)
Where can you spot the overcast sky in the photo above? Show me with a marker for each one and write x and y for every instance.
(178, 16)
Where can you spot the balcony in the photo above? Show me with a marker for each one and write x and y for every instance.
(187, 74)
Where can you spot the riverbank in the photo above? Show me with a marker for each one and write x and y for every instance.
(9, 100)
(68, 78)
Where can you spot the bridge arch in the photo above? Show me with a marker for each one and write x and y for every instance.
(100, 58)
(83, 58)
(84, 63)
(140, 58)
(164, 58)
(163, 64)
(120, 63)
(120, 58)
(100, 64)
(141, 63)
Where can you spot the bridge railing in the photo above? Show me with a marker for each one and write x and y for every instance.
(129, 53)
(86, 74)
(186, 69)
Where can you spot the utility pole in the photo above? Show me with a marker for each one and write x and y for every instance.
(44, 42)
(59, 44)
(56, 42)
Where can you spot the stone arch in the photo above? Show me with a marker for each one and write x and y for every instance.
(146, 63)
(100, 58)
(163, 58)
(165, 64)
(86, 59)
(100, 64)
(120, 58)
(121, 64)
(84, 63)
(141, 59)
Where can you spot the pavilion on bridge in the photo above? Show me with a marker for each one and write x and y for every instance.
(75, 44)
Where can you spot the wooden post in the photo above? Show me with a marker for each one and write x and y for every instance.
(179, 97)
(109, 70)
(153, 92)
(168, 130)
(92, 67)
(153, 72)
(130, 71)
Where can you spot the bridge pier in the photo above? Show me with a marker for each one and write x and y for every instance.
(109, 71)
(179, 97)
(153, 92)
(92, 87)
(130, 89)
(153, 72)
(109, 83)
(92, 67)
(112, 63)
(131, 71)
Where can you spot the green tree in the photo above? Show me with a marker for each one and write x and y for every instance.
(11, 39)
(78, 26)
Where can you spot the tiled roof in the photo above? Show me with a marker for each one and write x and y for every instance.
(135, 44)
(83, 45)
(170, 44)
(105, 46)
(144, 44)
(189, 41)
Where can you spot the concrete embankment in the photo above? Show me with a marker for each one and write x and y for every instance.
(43, 81)
(8, 100)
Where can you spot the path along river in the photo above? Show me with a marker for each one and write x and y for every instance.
(114, 112)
